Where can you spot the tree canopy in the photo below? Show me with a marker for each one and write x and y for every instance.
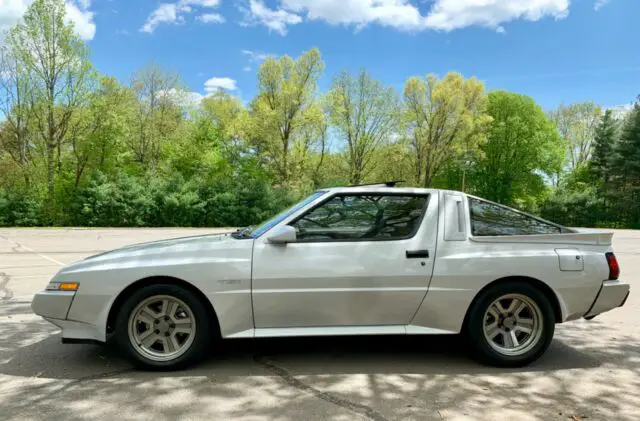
(81, 148)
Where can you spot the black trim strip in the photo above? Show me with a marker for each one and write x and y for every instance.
(81, 341)
(596, 299)
(625, 299)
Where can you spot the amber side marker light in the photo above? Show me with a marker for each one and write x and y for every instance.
(63, 286)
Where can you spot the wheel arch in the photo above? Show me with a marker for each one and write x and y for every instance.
(141, 283)
(542, 286)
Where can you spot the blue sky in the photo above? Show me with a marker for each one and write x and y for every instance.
(553, 50)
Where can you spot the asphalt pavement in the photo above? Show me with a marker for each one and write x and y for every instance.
(591, 371)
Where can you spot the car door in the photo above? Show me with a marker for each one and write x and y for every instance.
(359, 260)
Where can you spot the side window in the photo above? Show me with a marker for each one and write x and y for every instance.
(363, 217)
(490, 219)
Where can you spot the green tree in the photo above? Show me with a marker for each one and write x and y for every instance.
(364, 112)
(57, 62)
(444, 118)
(522, 145)
(606, 135)
(231, 120)
(577, 125)
(14, 107)
(285, 105)
(626, 168)
(97, 132)
(158, 113)
(627, 150)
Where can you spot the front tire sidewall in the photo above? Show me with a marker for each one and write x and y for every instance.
(480, 346)
(198, 347)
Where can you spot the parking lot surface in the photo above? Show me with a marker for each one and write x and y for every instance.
(591, 371)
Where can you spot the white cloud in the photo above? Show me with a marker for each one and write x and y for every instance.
(216, 83)
(82, 19)
(165, 13)
(77, 12)
(203, 3)
(599, 4)
(256, 56)
(11, 11)
(173, 13)
(211, 18)
(182, 98)
(276, 20)
(396, 13)
(453, 14)
(444, 15)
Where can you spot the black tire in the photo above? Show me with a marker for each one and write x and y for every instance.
(202, 338)
(479, 345)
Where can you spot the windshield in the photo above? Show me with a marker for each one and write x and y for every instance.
(266, 226)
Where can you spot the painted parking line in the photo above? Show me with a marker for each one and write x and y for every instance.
(32, 251)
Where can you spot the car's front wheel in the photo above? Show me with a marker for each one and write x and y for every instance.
(164, 327)
(510, 325)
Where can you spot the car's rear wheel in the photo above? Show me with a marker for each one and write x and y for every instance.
(163, 327)
(510, 325)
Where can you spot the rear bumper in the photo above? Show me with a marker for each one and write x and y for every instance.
(612, 294)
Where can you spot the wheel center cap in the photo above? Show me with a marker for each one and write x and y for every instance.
(163, 326)
(509, 322)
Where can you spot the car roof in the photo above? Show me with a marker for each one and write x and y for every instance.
(382, 188)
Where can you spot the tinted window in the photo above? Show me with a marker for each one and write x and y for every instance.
(363, 217)
(491, 219)
(265, 226)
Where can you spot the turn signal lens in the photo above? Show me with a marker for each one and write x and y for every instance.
(614, 268)
(63, 286)
(69, 286)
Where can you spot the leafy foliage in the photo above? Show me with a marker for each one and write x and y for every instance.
(79, 148)
(445, 118)
(522, 146)
(364, 113)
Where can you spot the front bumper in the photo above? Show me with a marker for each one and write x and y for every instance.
(612, 294)
(52, 304)
(54, 307)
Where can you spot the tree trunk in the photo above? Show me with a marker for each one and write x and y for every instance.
(428, 177)
(50, 172)
(464, 173)
(284, 173)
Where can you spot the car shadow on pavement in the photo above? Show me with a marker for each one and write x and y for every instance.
(380, 378)
(33, 349)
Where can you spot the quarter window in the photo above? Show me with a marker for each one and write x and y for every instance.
(488, 219)
(362, 218)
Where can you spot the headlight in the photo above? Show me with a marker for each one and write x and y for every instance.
(63, 286)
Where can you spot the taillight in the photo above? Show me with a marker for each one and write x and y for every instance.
(614, 268)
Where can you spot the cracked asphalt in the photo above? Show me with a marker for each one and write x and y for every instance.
(591, 371)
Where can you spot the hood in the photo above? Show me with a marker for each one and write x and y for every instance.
(168, 257)
(152, 247)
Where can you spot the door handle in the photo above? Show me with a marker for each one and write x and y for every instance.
(417, 254)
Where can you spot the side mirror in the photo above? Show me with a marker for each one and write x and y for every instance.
(282, 235)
